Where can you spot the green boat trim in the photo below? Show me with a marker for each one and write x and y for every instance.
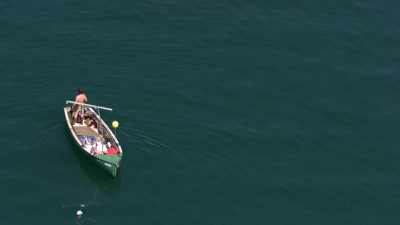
(110, 163)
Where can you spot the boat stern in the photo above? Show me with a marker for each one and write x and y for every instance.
(110, 163)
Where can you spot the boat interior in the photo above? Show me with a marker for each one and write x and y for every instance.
(91, 131)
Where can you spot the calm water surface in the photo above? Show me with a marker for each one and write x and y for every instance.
(231, 112)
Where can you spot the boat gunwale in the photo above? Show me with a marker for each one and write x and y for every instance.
(71, 129)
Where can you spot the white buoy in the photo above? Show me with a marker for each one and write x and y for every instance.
(79, 213)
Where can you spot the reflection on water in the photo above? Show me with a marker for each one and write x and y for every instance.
(99, 177)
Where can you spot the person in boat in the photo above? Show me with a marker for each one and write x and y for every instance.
(81, 97)
(100, 147)
(77, 109)
(90, 121)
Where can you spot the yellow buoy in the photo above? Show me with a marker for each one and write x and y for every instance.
(115, 124)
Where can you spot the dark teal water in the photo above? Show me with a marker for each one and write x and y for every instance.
(231, 112)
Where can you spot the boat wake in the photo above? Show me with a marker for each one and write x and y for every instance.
(136, 136)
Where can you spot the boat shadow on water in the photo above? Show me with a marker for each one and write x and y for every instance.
(99, 177)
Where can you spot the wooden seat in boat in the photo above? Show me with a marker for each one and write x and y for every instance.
(85, 130)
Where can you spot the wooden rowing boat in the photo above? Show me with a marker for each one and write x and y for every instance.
(93, 135)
